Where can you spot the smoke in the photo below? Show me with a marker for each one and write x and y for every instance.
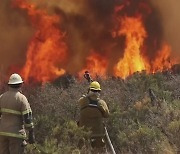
(88, 25)
(14, 37)
(170, 18)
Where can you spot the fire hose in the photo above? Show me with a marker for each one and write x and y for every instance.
(109, 140)
(89, 79)
(35, 147)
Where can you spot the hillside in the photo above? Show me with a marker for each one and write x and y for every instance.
(145, 114)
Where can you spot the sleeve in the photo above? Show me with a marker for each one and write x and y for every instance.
(104, 108)
(81, 100)
(27, 113)
(0, 106)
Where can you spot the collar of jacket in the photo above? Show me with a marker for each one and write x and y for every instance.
(14, 89)
(93, 96)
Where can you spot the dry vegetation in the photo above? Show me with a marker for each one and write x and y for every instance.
(145, 114)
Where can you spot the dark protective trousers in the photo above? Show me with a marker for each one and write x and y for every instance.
(11, 145)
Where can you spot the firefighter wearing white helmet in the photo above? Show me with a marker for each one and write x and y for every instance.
(92, 111)
(15, 79)
(16, 116)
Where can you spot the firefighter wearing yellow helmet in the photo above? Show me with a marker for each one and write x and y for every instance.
(15, 117)
(92, 111)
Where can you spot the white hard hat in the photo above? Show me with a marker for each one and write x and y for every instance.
(15, 79)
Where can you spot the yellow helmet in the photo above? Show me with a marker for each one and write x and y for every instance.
(95, 86)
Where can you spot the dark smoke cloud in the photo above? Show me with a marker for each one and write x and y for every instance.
(14, 37)
(88, 25)
(91, 25)
(170, 13)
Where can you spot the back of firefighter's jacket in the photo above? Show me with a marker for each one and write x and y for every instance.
(13, 105)
(92, 113)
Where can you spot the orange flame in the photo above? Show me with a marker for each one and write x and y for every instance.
(96, 64)
(132, 61)
(47, 54)
(162, 60)
(47, 49)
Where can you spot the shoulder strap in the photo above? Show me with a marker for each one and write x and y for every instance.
(92, 103)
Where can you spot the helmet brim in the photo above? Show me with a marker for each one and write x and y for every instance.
(12, 83)
(98, 89)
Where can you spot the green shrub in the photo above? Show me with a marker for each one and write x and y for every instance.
(135, 124)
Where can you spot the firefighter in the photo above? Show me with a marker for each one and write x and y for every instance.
(92, 111)
(16, 116)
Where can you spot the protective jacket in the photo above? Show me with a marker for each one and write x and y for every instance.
(15, 114)
(92, 111)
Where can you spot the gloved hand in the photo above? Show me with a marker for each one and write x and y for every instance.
(31, 137)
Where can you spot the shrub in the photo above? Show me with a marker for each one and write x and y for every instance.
(136, 125)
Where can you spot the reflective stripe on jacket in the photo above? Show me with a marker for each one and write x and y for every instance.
(13, 108)
(10, 111)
